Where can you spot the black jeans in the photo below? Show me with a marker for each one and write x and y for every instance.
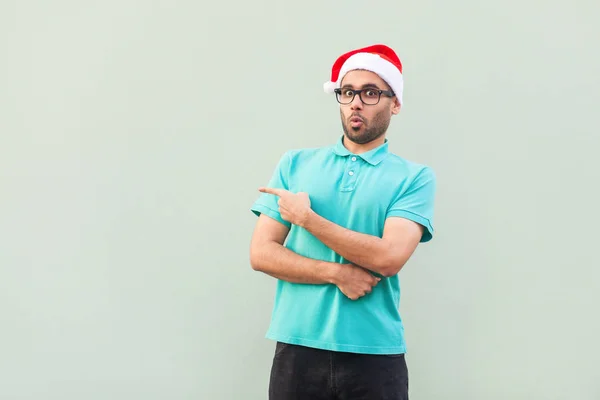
(304, 373)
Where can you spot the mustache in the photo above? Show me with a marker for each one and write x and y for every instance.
(356, 115)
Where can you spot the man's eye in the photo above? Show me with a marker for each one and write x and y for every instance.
(371, 93)
(348, 93)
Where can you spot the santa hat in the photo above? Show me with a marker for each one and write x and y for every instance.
(378, 58)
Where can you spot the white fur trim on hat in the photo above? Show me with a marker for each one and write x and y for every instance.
(329, 87)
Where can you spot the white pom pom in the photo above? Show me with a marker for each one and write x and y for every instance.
(329, 86)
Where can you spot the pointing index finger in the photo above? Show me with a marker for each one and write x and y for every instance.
(276, 192)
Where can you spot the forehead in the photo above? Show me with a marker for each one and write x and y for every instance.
(359, 78)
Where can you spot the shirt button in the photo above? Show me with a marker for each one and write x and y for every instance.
(351, 173)
(353, 158)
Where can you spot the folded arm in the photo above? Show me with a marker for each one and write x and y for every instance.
(386, 255)
(268, 255)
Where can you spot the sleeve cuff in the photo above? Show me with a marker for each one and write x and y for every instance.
(427, 234)
(258, 209)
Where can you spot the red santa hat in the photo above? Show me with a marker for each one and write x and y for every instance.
(378, 58)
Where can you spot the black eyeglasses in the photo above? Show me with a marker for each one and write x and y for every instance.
(369, 96)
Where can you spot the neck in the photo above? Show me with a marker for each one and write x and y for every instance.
(356, 148)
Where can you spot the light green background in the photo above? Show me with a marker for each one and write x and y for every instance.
(134, 136)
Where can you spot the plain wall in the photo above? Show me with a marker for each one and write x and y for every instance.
(134, 136)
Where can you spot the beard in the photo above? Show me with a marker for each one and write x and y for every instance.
(369, 129)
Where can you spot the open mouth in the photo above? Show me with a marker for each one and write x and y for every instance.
(356, 122)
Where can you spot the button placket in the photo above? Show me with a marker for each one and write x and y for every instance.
(350, 174)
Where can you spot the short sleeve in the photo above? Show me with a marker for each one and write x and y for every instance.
(417, 202)
(267, 203)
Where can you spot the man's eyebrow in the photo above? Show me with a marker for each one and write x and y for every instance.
(365, 86)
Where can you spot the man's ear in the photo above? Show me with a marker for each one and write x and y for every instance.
(396, 106)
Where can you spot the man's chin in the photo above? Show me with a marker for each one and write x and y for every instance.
(354, 132)
(357, 137)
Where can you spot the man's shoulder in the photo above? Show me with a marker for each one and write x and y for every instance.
(407, 166)
(304, 153)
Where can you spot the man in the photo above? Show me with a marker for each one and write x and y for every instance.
(351, 216)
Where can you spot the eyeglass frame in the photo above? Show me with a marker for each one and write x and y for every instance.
(338, 91)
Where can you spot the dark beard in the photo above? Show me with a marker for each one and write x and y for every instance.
(373, 129)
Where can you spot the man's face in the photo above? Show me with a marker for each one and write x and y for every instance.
(364, 123)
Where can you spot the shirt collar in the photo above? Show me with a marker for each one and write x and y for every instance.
(373, 157)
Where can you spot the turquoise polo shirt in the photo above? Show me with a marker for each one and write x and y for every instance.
(358, 192)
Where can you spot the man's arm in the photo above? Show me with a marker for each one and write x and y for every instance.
(268, 255)
(386, 255)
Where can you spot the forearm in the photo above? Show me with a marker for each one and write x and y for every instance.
(279, 262)
(368, 251)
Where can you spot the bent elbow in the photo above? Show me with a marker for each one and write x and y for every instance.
(390, 271)
(255, 260)
(390, 267)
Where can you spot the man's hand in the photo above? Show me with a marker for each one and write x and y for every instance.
(354, 281)
(293, 207)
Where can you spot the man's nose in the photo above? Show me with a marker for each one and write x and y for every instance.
(356, 103)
